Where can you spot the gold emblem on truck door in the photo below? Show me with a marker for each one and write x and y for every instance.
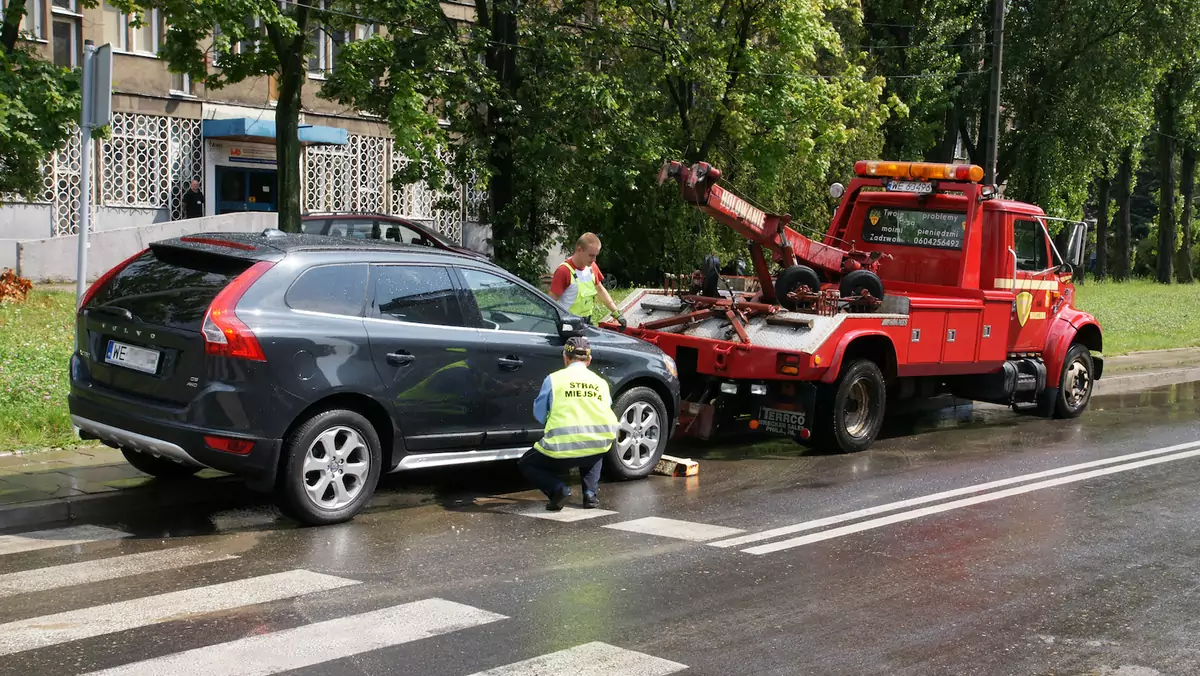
(1024, 303)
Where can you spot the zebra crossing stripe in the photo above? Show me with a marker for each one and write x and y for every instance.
(74, 625)
(316, 643)
(58, 537)
(590, 659)
(88, 572)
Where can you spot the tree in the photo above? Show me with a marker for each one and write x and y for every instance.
(39, 107)
(1166, 106)
(1103, 197)
(1125, 173)
(251, 39)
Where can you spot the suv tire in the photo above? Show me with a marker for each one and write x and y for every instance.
(331, 465)
(159, 468)
(641, 435)
(850, 411)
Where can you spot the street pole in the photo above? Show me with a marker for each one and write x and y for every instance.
(993, 133)
(85, 170)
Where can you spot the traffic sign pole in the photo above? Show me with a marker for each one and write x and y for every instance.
(96, 111)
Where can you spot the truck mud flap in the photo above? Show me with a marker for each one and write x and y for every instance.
(792, 417)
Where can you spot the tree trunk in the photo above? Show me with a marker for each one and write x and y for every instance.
(287, 140)
(1124, 216)
(501, 59)
(1187, 187)
(1166, 191)
(1103, 192)
(14, 12)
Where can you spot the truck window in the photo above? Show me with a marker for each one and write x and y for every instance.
(1029, 241)
(912, 227)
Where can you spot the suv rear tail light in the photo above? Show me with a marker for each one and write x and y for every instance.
(105, 279)
(224, 334)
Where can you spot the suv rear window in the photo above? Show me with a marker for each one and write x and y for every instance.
(332, 289)
(170, 288)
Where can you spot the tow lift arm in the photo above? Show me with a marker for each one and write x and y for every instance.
(764, 230)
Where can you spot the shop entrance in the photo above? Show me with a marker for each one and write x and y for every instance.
(241, 189)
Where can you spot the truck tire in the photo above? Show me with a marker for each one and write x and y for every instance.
(331, 465)
(850, 411)
(159, 468)
(641, 436)
(792, 278)
(1075, 383)
(854, 283)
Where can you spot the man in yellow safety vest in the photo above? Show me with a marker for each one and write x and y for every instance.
(578, 280)
(575, 406)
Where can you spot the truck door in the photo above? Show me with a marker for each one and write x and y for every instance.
(1034, 285)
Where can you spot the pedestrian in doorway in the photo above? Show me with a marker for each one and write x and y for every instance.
(578, 280)
(193, 201)
(575, 406)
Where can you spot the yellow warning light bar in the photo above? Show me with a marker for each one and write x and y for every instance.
(919, 171)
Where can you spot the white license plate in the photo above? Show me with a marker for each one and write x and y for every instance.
(779, 421)
(132, 357)
(910, 186)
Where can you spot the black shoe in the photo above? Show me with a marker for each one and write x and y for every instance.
(556, 501)
(590, 501)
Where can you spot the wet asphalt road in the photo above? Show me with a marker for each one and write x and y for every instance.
(1094, 575)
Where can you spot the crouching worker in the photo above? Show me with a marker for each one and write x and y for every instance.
(575, 405)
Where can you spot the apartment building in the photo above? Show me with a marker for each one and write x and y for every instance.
(168, 131)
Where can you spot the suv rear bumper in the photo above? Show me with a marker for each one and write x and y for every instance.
(181, 443)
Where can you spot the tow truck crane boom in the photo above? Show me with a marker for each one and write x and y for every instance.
(799, 255)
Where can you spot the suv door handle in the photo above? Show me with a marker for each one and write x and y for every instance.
(509, 363)
(400, 358)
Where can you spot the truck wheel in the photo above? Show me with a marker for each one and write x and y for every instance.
(854, 283)
(160, 468)
(1074, 386)
(331, 466)
(641, 435)
(793, 278)
(850, 412)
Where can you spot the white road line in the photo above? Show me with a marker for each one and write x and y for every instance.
(568, 514)
(912, 502)
(965, 502)
(59, 537)
(590, 659)
(673, 528)
(88, 572)
(73, 625)
(316, 643)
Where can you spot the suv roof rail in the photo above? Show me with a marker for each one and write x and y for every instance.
(273, 232)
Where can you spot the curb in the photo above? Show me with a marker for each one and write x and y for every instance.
(218, 492)
(227, 492)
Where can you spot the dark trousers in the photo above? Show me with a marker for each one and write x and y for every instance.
(546, 472)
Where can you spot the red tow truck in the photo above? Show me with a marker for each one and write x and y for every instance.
(925, 283)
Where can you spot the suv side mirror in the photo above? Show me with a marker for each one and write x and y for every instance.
(1077, 245)
(570, 326)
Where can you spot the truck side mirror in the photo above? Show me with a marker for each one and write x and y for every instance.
(1077, 245)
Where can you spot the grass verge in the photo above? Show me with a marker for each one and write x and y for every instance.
(36, 339)
(1142, 314)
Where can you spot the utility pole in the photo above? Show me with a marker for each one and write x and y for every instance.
(993, 123)
(96, 111)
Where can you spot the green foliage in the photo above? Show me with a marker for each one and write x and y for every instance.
(39, 106)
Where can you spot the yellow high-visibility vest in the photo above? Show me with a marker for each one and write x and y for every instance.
(581, 421)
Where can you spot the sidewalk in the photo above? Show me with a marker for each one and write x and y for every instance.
(94, 482)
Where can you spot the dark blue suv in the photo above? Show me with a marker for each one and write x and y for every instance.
(310, 364)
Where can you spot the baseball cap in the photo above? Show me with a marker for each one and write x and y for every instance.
(577, 345)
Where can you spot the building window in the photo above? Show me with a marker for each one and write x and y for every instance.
(181, 84)
(66, 33)
(119, 31)
(327, 44)
(33, 23)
